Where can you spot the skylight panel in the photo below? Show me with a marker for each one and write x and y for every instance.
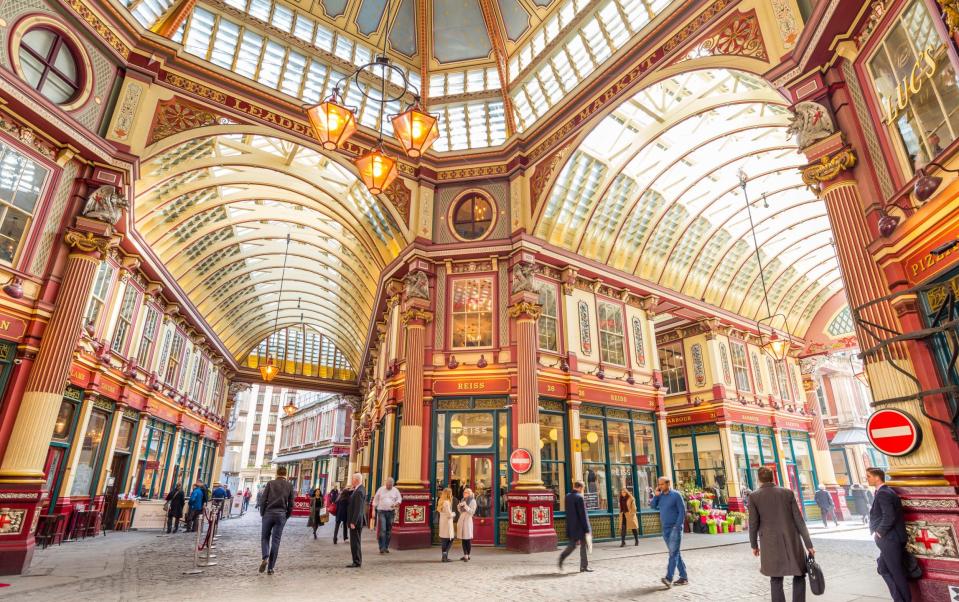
(249, 55)
(282, 17)
(324, 38)
(304, 28)
(293, 74)
(200, 33)
(149, 12)
(343, 48)
(224, 43)
(455, 82)
(260, 9)
(272, 63)
(475, 80)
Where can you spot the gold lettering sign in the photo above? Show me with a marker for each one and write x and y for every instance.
(908, 87)
(615, 397)
(471, 386)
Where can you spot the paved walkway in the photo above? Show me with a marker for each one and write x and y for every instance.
(147, 566)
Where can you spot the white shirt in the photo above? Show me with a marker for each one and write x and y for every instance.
(387, 499)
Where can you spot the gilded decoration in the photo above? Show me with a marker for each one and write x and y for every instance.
(788, 27)
(27, 136)
(525, 308)
(127, 113)
(11, 521)
(757, 371)
(724, 358)
(103, 29)
(699, 368)
(738, 35)
(400, 196)
(471, 267)
(416, 314)
(88, 242)
(950, 11)
(639, 346)
(542, 174)
(472, 172)
(828, 168)
(931, 540)
(585, 342)
(877, 10)
(177, 115)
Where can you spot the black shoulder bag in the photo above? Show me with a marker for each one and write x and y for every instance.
(817, 583)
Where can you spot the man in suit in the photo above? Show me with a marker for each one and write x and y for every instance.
(356, 516)
(776, 522)
(888, 528)
(577, 527)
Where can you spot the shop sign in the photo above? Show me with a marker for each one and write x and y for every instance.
(923, 264)
(577, 445)
(520, 460)
(135, 400)
(745, 418)
(893, 432)
(606, 396)
(152, 464)
(694, 418)
(592, 501)
(552, 389)
(11, 328)
(909, 86)
(470, 386)
(79, 376)
(190, 424)
(109, 387)
(160, 410)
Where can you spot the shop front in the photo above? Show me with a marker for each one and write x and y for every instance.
(116, 481)
(698, 462)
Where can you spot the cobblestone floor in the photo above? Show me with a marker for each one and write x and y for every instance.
(146, 566)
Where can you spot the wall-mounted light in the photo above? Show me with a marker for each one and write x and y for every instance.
(482, 363)
(451, 362)
(14, 288)
(927, 185)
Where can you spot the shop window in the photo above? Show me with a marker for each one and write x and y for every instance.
(61, 428)
(594, 463)
(647, 463)
(98, 296)
(173, 362)
(750, 452)
(611, 337)
(552, 443)
(125, 318)
(471, 430)
(473, 217)
(620, 451)
(840, 466)
(155, 453)
(915, 81)
(472, 313)
(49, 63)
(799, 455)
(821, 398)
(698, 464)
(548, 323)
(84, 477)
(125, 435)
(150, 325)
(673, 367)
(740, 366)
(21, 182)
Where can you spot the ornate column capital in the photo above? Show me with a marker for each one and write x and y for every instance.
(828, 168)
(416, 315)
(88, 242)
(525, 309)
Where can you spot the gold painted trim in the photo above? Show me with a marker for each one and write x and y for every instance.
(456, 201)
(78, 50)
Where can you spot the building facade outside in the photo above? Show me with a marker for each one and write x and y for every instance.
(315, 442)
(252, 443)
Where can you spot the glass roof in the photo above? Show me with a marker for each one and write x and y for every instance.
(654, 190)
(301, 49)
(217, 211)
(301, 351)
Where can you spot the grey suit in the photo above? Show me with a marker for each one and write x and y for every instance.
(774, 518)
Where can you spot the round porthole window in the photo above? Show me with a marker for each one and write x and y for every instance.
(50, 60)
(473, 216)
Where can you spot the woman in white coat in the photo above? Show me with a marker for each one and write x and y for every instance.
(447, 532)
(464, 526)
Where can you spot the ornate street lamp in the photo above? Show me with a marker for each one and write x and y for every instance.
(415, 129)
(377, 169)
(332, 121)
(290, 407)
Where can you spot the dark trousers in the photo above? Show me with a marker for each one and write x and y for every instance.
(355, 541)
(828, 513)
(447, 544)
(191, 520)
(172, 523)
(467, 546)
(336, 530)
(622, 531)
(799, 589)
(384, 528)
(271, 532)
(583, 561)
(890, 567)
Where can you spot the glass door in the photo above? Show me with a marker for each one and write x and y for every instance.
(476, 473)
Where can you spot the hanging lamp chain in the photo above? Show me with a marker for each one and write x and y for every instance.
(279, 300)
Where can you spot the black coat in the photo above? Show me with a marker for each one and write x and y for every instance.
(577, 521)
(175, 499)
(885, 516)
(823, 499)
(356, 511)
(342, 503)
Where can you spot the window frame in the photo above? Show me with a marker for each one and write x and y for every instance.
(101, 300)
(554, 287)
(126, 324)
(74, 45)
(600, 332)
(174, 358)
(146, 348)
(25, 249)
(471, 194)
(681, 371)
(453, 280)
(740, 370)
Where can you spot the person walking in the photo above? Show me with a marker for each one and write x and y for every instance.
(778, 535)
(827, 508)
(888, 528)
(861, 506)
(577, 528)
(342, 505)
(627, 517)
(385, 502)
(316, 510)
(445, 508)
(195, 507)
(259, 497)
(246, 499)
(356, 515)
(220, 495)
(464, 525)
(672, 515)
(276, 508)
(174, 508)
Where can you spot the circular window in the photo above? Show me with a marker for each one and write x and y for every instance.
(50, 65)
(473, 216)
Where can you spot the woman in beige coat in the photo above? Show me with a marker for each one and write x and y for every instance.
(445, 507)
(627, 517)
(464, 526)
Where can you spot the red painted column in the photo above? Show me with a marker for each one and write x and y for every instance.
(21, 472)
(824, 468)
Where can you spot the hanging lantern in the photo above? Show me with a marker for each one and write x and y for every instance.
(290, 407)
(333, 122)
(415, 129)
(592, 437)
(268, 370)
(776, 346)
(377, 169)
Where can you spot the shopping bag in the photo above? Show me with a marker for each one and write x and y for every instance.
(589, 543)
(817, 583)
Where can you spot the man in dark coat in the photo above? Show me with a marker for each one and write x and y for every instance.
(775, 521)
(356, 515)
(888, 528)
(276, 508)
(342, 504)
(174, 500)
(827, 508)
(577, 527)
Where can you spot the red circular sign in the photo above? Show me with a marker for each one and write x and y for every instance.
(520, 460)
(893, 432)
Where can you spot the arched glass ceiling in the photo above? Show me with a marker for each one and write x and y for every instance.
(301, 351)
(654, 190)
(217, 211)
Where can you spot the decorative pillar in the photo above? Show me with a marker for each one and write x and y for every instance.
(21, 470)
(734, 500)
(529, 503)
(825, 471)
(575, 439)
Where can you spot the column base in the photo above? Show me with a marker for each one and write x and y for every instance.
(531, 527)
(932, 521)
(411, 527)
(19, 512)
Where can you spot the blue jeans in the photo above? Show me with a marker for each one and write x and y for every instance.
(673, 536)
(270, 534)
(384, 528)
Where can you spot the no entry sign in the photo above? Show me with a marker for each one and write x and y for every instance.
(893, 432)
(520, 460)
